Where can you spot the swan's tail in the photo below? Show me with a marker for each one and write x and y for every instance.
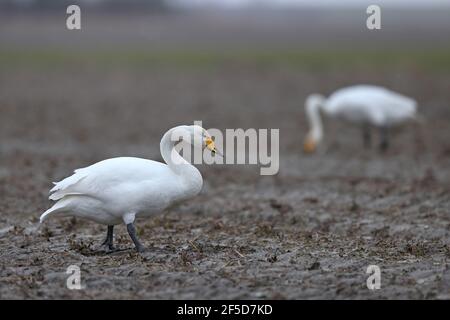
(59, 207)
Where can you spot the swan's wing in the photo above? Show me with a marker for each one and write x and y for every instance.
(356, 103)
(67, 185)
(96, 179)
(378, 104)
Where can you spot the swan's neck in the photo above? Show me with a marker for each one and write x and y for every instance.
(315, 122)
(190, 176)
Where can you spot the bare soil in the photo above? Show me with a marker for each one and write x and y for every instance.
(308, 232)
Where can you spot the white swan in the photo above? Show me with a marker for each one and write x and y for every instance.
(362, 104)
(118, 190)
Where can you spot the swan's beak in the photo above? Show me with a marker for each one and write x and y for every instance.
(216, 151)
(310, 145)
(212, 147)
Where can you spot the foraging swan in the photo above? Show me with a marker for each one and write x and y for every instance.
(119, 190)
(362, 104)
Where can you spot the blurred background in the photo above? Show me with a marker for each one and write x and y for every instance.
(137, 68)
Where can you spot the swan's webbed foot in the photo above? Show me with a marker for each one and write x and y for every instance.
(108, 248)
(132, 232)
(108, 245)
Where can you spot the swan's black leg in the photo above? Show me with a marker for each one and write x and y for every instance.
(384, 138)
(132, 232)
(109, 238)
(367, 137)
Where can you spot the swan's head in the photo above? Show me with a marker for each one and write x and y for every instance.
(200, 137)
(203, 138)
(313, 104)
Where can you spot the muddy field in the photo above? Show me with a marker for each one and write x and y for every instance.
(308, 232)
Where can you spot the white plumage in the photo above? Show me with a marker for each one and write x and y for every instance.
(118, 190)
(362, 104)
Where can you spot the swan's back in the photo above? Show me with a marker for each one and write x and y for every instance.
(373, 104)
(92, 180)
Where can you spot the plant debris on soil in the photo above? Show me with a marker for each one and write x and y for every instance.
(308, 232)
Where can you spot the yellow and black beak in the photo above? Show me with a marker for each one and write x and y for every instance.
(212, 147)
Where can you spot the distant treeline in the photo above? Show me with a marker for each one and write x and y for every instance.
(104, 5)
